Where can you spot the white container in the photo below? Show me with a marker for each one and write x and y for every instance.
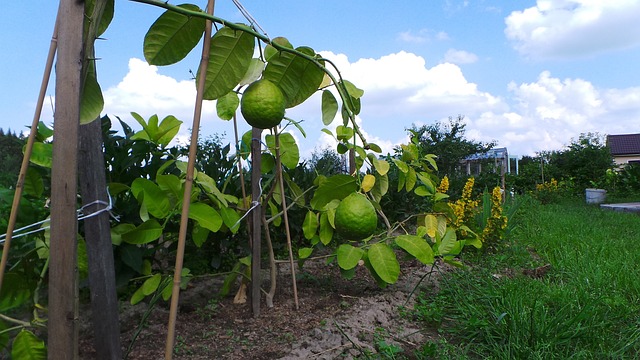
(595, 196)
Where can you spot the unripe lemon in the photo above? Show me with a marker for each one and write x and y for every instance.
(262, 104)
(356, 217)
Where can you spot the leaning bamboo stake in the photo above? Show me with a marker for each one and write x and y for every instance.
(28, 149)
(286, 219)
(188, 185)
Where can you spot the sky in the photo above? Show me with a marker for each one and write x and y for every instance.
(529, 75)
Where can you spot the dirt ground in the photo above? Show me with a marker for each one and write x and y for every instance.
(337, 318)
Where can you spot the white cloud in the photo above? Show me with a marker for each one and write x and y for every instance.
(574, 28)
(421, 36)
(460, 57)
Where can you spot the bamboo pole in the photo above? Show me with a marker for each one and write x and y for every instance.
(63, 289)
(256, 192)
(286, 219)
(188, 185)
(13, 216)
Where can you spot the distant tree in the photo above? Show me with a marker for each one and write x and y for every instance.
(447, 141)
(583, 163)
(327, 162)
(10, 158)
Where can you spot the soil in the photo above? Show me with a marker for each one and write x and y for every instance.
(337, 318)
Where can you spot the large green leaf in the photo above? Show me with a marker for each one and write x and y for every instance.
(151, 284)
(91, 102)
(27, 346)
(326, 229)
(256, 67)
(42, 154)
(33, 183)
(150, 194)
(230, 218)
(107, 15)
(172, 36)
(227, 105)
(348, 256)
(298, 78)
(206, 216)
(448, 242)
(336, 187)
(384, 262)
(167, 130)
(289, 152)
(229, 60)
(310, 225)
(147, 232)
(417, 247)
(329, 107)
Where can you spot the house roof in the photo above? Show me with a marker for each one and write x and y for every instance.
(626, 144)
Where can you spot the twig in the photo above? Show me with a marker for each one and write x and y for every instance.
(362, 351)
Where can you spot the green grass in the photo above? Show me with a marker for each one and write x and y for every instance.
(586, 307)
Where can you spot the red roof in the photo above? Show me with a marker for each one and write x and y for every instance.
(628, 144)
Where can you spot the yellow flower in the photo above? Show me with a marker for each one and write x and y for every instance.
(444, 185)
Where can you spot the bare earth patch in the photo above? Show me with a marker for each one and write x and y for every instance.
(337, 318)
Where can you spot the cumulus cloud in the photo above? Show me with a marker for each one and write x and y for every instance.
(401, 89)
(460, 57)
(574, 28)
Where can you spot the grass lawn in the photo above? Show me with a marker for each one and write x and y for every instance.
(585, 305)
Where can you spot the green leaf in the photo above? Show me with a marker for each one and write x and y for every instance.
(147, 232)
(411, 179)
(289, 152)
(199, 234)
(326, 229)
(227, 105)
(118, 230)
(402, 166)
(421, 191)
(381, 187)
(151, 284)
(172, 36)
(305, 252)
(368, 182)
(382, 167)
(348, 256)
(170, 184)
(335, 187)
(150, 194)
(428, 183)
(310, 225)
(375, 148)
(33, 183)
(167, 130)
(267, 163)
(27, 346)
(229, 60)
(270, 51)
(206, 216)
(137, 296)
(298, 78)
(230, 218)
(352, 89)
(209, 185)
(256, 67)
(417, 247)
(384, 262)
(344, 133)
(41, 154)
(447, 243)
(329, 107)
(91, 101)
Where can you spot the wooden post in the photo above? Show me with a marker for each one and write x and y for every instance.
(63, 310)
(256, 174)
(97, 234)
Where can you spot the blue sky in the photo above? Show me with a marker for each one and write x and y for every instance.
(530, 75)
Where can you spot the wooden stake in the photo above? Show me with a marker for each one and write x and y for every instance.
(13, 216)
(97, 231)
(256, 174)
(63, 311)
(286, 219)
(188, 185)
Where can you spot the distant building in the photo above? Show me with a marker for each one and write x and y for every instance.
(498, 157)
(625, 149)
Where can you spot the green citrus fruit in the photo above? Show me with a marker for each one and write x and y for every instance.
(262, 104)
(356, 217)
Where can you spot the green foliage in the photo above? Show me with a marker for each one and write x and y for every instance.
(10, 158)
(28, 346)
